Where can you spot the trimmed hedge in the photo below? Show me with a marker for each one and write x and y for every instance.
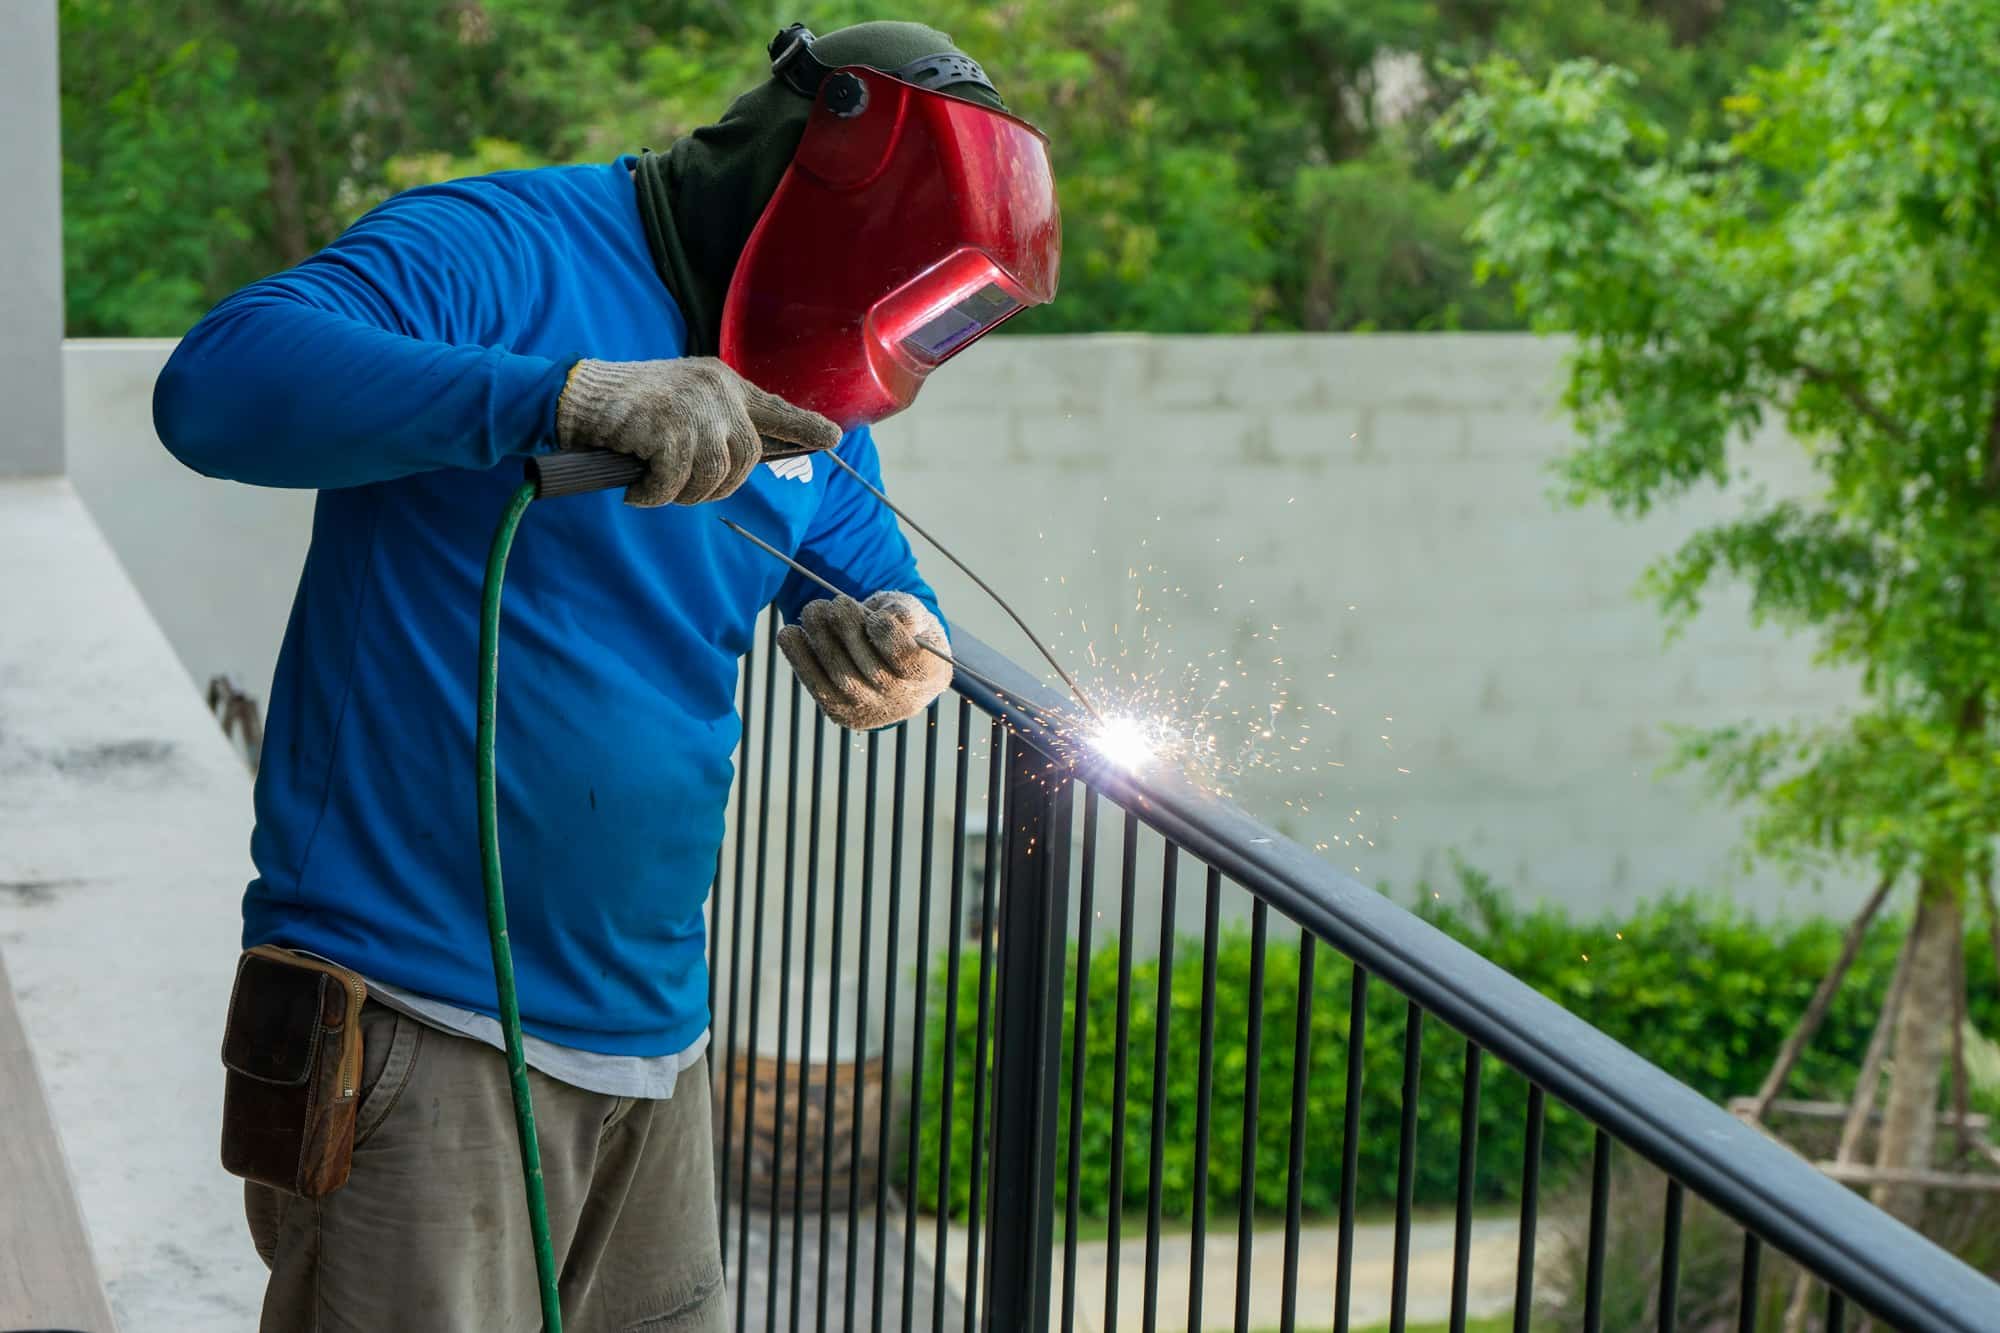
(1694, 985)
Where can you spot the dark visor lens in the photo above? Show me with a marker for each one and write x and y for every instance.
(957, 325)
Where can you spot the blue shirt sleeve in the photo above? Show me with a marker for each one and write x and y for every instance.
(854, 540)
(382, 356)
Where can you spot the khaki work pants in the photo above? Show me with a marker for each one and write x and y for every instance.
(430, 1233)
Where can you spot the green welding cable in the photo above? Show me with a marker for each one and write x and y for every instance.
(496, 903)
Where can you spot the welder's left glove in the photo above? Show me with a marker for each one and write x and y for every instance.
(863, 661)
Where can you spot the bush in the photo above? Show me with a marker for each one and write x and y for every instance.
(1694, 985)
(1709, 1291)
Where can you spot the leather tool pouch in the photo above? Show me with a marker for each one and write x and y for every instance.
(292, 1052)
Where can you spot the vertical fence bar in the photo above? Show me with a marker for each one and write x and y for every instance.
(870, 781)
(756, 958)
(962, 774)
(1350, 1142)
(926, 847)
(1531, 1189)
(995, 835)
(735, 957)
(1033, 926)
(1163, 1005)
(1670, 1259)
(893, 919)
(1468, 1172)
(1114, 1198)
(1204, 1095)
(1746, 1294)
(778, 1107)
(1406, 1166)
(842, 744)
(1253, 1059)
(805, 1028)
(714, 955)
(1836, 1311)
(1296, 1152)
(1600, 1210)
(1085, 908)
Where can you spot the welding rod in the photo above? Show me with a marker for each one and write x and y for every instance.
(570, 472)
(936, 652)
(966, 570)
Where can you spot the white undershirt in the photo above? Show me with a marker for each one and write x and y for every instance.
(649, 1076)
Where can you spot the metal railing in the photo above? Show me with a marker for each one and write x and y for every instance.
(827, 1260)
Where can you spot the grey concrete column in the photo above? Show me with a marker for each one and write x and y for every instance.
(31, 272)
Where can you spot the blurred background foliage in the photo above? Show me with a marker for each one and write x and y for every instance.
(1223, 167)
(1694, 984)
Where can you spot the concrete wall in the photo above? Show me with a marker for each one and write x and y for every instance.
(1383, 500)
(31, 287)
(216, 562)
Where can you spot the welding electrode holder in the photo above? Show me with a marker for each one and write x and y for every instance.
(575, 471)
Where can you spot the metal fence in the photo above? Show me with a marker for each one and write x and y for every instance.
(1037, 857)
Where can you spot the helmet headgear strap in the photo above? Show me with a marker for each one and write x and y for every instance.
(794, 64)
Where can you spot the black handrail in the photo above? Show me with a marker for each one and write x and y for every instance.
(1857, 1249)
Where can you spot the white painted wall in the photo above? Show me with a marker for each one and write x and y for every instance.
(216, 562)
(31, 279)
(1404, 477)
(1388, 498)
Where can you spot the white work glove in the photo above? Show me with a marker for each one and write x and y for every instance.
(863, 661)
(695, 422)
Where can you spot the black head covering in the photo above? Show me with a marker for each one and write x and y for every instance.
(700, 199)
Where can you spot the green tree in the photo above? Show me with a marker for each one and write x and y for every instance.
(1832, 264)
(1222, 168)
(209, 142)
(160, 170)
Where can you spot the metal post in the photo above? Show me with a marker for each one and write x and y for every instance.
(1033, 910)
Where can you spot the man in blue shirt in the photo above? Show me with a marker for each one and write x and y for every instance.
(405, 372)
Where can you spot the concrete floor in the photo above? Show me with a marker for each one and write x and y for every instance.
(124, 839)
(1491, 1290)
(750, 1273)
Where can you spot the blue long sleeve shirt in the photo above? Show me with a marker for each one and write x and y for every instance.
(405, 372)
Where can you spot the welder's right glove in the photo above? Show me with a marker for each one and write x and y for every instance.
(864, 661)
(695, 422)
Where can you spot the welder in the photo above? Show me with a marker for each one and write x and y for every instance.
(721, 311)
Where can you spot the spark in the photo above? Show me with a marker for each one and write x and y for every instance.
(1220, 717)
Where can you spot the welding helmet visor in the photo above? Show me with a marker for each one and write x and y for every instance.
(910, 223)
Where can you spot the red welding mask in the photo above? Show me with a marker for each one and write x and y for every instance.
(909, 223)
